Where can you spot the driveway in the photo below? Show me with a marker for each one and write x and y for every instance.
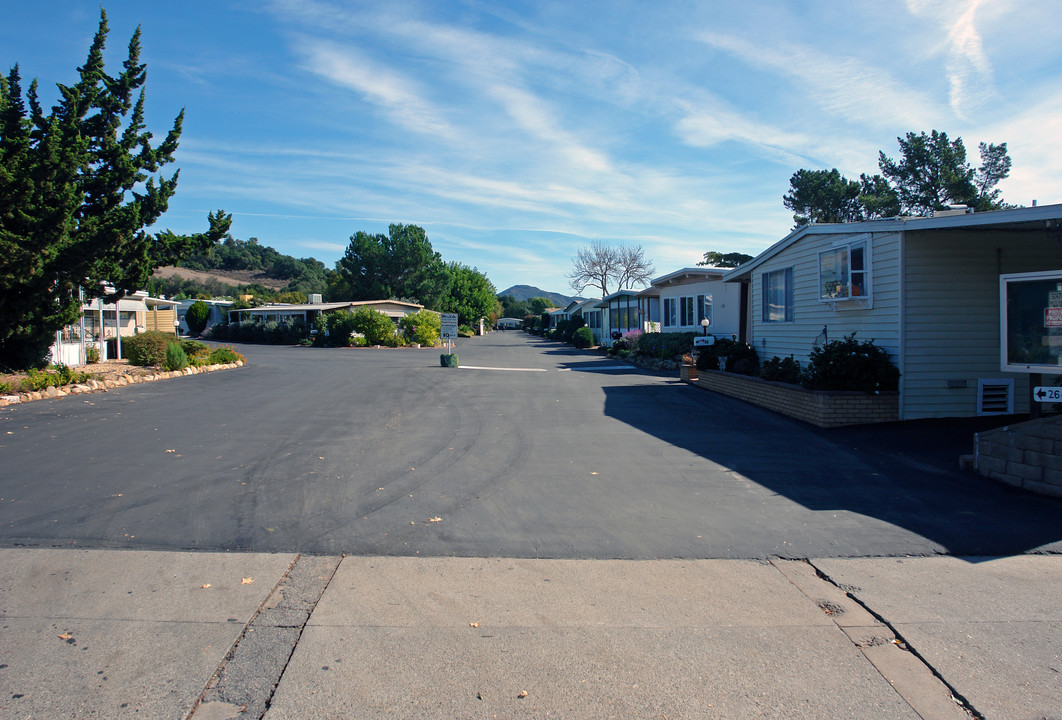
(531, 449)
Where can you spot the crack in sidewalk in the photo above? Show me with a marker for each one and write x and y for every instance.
(913, 678)
(903, 643)
(244, 683)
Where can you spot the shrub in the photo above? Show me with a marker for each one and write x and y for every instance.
(147, 348)
(377, 328)
(224, 355)
(195, 317)
(92, 354)
(37, 380)
(664, 345)
(583, 337)
(341, 325)
(848, 364)
(422, 327)
(176, 359)
(574, 324)
(466, 331)
(740, 357)
(622, 347)
(785, 370)
(194, 347)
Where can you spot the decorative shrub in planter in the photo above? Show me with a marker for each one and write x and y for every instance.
(448, 360)
(737, 357)
(851, 365)
(785, 370)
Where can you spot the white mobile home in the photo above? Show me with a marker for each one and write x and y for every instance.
(924, 289)
(686, 297)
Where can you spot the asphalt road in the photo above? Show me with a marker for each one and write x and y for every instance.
(543, 452)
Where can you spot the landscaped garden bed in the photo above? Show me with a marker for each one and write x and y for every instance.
(824, 408)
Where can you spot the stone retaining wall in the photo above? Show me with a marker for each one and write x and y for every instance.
(1027, 455)
(92, 386)
(824, 408)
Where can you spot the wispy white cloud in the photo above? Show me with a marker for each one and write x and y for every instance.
(850, 88)
(403, 99)
(969, 71)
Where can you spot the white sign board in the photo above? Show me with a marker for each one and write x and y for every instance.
(703, 341)
(1047, 394)
(449, 326)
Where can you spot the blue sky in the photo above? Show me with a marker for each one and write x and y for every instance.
(516, 132)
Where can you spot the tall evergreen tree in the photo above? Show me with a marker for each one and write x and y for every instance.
(932, 172)
(77, 190)
(471, 295)
(400, 265)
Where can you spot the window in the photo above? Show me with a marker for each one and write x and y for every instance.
(843, 272)
(777, 300)
(670, 312)
(686, 310)
(704, 309)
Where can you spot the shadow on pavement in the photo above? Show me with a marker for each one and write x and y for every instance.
(905, 474)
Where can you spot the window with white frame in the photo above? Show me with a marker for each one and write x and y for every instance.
(777, 296)
(844, 272)
(670, 312)
(704, 309)
(686, 311)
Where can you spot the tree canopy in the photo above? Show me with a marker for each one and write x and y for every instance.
(471, 295)
(78, 187)
(930, 174)
(603, 266)
(724, 260)
(400, 265)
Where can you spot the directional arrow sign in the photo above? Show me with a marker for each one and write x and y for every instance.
(1047, 394)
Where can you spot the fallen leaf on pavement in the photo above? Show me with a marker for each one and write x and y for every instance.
(65, 636)
(205, 586)
(522, 694)
(435, 519)
(247, 581)
(473, 625)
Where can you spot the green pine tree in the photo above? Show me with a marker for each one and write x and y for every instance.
(78, 187)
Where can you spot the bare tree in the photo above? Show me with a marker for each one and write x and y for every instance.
(603, 266)
(634, 268)
(593, 266)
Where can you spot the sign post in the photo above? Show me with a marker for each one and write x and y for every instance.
(448, 332)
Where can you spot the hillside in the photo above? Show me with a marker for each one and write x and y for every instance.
(523, 293)
(233, 278)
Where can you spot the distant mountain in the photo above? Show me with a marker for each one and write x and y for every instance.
(524, 293)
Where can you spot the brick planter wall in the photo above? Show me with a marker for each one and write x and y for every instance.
(824, 408)
(1027, 455)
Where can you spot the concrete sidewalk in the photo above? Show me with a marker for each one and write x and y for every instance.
(113, 634)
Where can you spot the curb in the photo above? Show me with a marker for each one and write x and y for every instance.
(97, 386)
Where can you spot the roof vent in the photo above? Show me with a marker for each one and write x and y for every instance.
(315, 299)
(953, 210)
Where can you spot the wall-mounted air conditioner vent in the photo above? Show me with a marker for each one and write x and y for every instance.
(995, 396)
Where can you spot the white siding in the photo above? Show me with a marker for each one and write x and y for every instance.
(726, 305)
(952, 315)
(878, 322)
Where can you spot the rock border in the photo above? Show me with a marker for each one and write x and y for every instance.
(96, 386)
